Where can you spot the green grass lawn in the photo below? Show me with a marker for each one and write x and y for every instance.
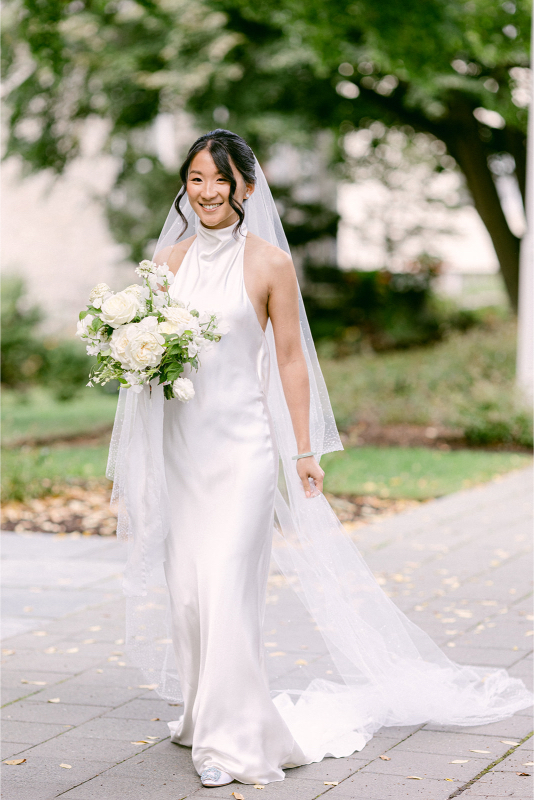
(413, 472)
(396, 472)
(37, 414)
(36, 471)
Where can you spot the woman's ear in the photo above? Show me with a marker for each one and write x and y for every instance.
(249, 190)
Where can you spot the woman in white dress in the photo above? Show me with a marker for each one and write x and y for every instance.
(197, 484)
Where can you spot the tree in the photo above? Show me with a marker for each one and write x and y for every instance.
(277, 70)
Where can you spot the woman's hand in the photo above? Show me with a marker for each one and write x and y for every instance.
(309, 468)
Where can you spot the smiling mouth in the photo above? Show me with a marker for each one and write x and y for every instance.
(210, 206)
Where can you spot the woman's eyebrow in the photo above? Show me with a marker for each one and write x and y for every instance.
(199, 172)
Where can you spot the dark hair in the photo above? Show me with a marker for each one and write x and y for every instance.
(221, 145)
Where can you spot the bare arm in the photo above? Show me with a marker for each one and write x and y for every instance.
(284, 313)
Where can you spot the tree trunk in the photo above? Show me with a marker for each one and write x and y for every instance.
(464, 143)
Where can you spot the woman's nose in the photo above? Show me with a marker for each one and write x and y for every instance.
(209, 190)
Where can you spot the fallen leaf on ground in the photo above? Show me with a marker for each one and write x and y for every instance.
(154, 719)
(507, 741)
(89, 641)
(54, 700)
(141, 741)
(300, 662)
(237, 796)
(459, 761)
(50, 650)
(523, 774)
(72, 650)
(259, 786)
(148, 686)
(95, 628)
(480, 751)
(33, 683)
(100, 670)
(528, 764)
(66, 766)
(152, 737)
(8, 652)
(331, 783)
(414, 777)
(15, 761)
(278, 653)
(385, 758)
(449, 779)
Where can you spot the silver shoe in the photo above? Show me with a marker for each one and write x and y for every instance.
(213, 776)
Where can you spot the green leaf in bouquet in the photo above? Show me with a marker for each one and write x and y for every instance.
(83, 314)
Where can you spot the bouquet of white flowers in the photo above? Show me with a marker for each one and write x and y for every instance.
(141, 333)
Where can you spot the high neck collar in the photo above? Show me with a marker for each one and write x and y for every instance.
(215, 238)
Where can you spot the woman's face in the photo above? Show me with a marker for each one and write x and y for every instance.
(209, 191)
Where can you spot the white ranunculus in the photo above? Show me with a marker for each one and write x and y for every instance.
(119, 340)
(145, 349)
(183, 389)
(82, 326)
(98, 294)
(120, 308)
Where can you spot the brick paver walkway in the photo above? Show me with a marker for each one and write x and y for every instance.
(460, 567)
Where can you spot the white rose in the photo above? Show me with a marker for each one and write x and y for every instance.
(119, 340)
(183, 389)
(120, 308)
(82, 326)
(145, 349)
(166, 327)
(98, 293)
(181, 319)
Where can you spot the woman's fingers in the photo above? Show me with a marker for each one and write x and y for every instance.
(307, 470)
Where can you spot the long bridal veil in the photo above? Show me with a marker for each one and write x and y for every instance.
(383, 669)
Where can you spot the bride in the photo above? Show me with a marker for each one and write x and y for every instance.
(210, 489)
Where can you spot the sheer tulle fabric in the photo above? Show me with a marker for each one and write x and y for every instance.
(385, 669)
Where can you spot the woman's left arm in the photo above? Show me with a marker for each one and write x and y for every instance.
(283, 309)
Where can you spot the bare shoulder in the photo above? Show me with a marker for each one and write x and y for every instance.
(276, 260)
(174, 254)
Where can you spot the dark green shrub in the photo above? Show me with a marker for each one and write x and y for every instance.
(27, 358)
(66, 368)
(388, 310)
(23, 354)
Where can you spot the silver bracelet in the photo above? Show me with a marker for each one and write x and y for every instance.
(302, 455)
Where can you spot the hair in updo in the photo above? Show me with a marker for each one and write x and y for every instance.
(221, 145)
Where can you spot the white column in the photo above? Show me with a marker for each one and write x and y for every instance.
(525, 330)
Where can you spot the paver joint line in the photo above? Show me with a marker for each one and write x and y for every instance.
(489, 767)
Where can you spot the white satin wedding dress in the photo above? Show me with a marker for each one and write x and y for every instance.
(196, 489)
(221, 465)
